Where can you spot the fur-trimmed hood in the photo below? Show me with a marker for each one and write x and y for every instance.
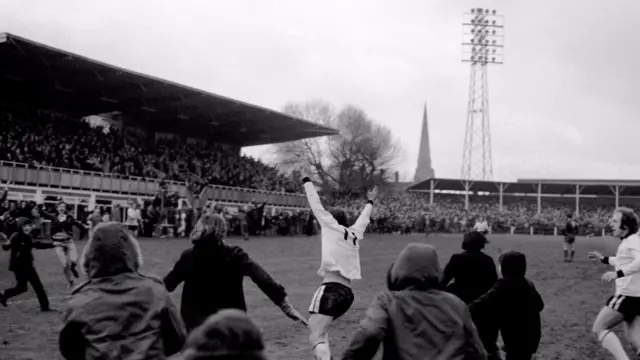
(112, 250)
(416, 267)
(230, 333)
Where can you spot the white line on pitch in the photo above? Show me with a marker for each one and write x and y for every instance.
(55, 297)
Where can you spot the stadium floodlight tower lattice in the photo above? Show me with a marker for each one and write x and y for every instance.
(482, 45)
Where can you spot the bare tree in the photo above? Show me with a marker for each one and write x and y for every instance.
(308, 156)
(352, 161)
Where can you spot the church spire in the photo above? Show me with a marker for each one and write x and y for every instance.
(424, 171)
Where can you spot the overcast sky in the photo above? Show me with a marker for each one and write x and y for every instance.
(564, 105)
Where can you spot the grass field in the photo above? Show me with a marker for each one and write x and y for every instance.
(572, 293)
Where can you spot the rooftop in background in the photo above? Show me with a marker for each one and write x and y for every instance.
(46, 78)
(582, 182)
(530, 186)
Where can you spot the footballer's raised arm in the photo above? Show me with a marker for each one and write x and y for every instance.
(365, 217)
(323, 216)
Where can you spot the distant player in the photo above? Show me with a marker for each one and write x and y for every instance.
(570, 233)
(339, 266)
(482, 226)
(624, 305)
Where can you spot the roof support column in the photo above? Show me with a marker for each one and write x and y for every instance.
(501, 188)
(539, 198)
(432, 190)
(621, 189)
(578, 190)
(616, 192)
(467, 188)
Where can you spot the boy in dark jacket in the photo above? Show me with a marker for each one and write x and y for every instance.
(21, 245)
(474, 273)
(414, 319)
(213, 273)
(516, 305)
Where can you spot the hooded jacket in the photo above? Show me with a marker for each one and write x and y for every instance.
(515, 305)
(413, 319)
(213, 274)
(229, 334)
(119, 314)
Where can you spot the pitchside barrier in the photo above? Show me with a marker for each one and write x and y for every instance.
(112, 187)
(545, 230)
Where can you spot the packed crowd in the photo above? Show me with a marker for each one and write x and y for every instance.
(412, 212)
(54, 140)
(472, 304)
(49, 139)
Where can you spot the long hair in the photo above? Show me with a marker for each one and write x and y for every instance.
(628, 220)
(210, 227)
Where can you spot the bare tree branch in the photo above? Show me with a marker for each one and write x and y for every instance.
(351, 161)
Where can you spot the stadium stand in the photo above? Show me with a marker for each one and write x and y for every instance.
(160, 129)
(44, 92)
(529, 206)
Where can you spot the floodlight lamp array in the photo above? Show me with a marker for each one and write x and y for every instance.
(484, 45)
(481, 11)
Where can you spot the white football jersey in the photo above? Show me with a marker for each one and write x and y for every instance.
(340, 245)
(481, 226)
(627, 263)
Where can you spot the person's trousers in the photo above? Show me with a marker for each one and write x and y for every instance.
(494, 355)
(28, 276)
(519, 356)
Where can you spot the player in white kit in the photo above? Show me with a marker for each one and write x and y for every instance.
(482, 226)
(624, 305)
(339, 266)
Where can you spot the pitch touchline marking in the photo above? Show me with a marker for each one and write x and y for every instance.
(57, 297)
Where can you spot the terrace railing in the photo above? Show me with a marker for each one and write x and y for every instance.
(93, 181)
